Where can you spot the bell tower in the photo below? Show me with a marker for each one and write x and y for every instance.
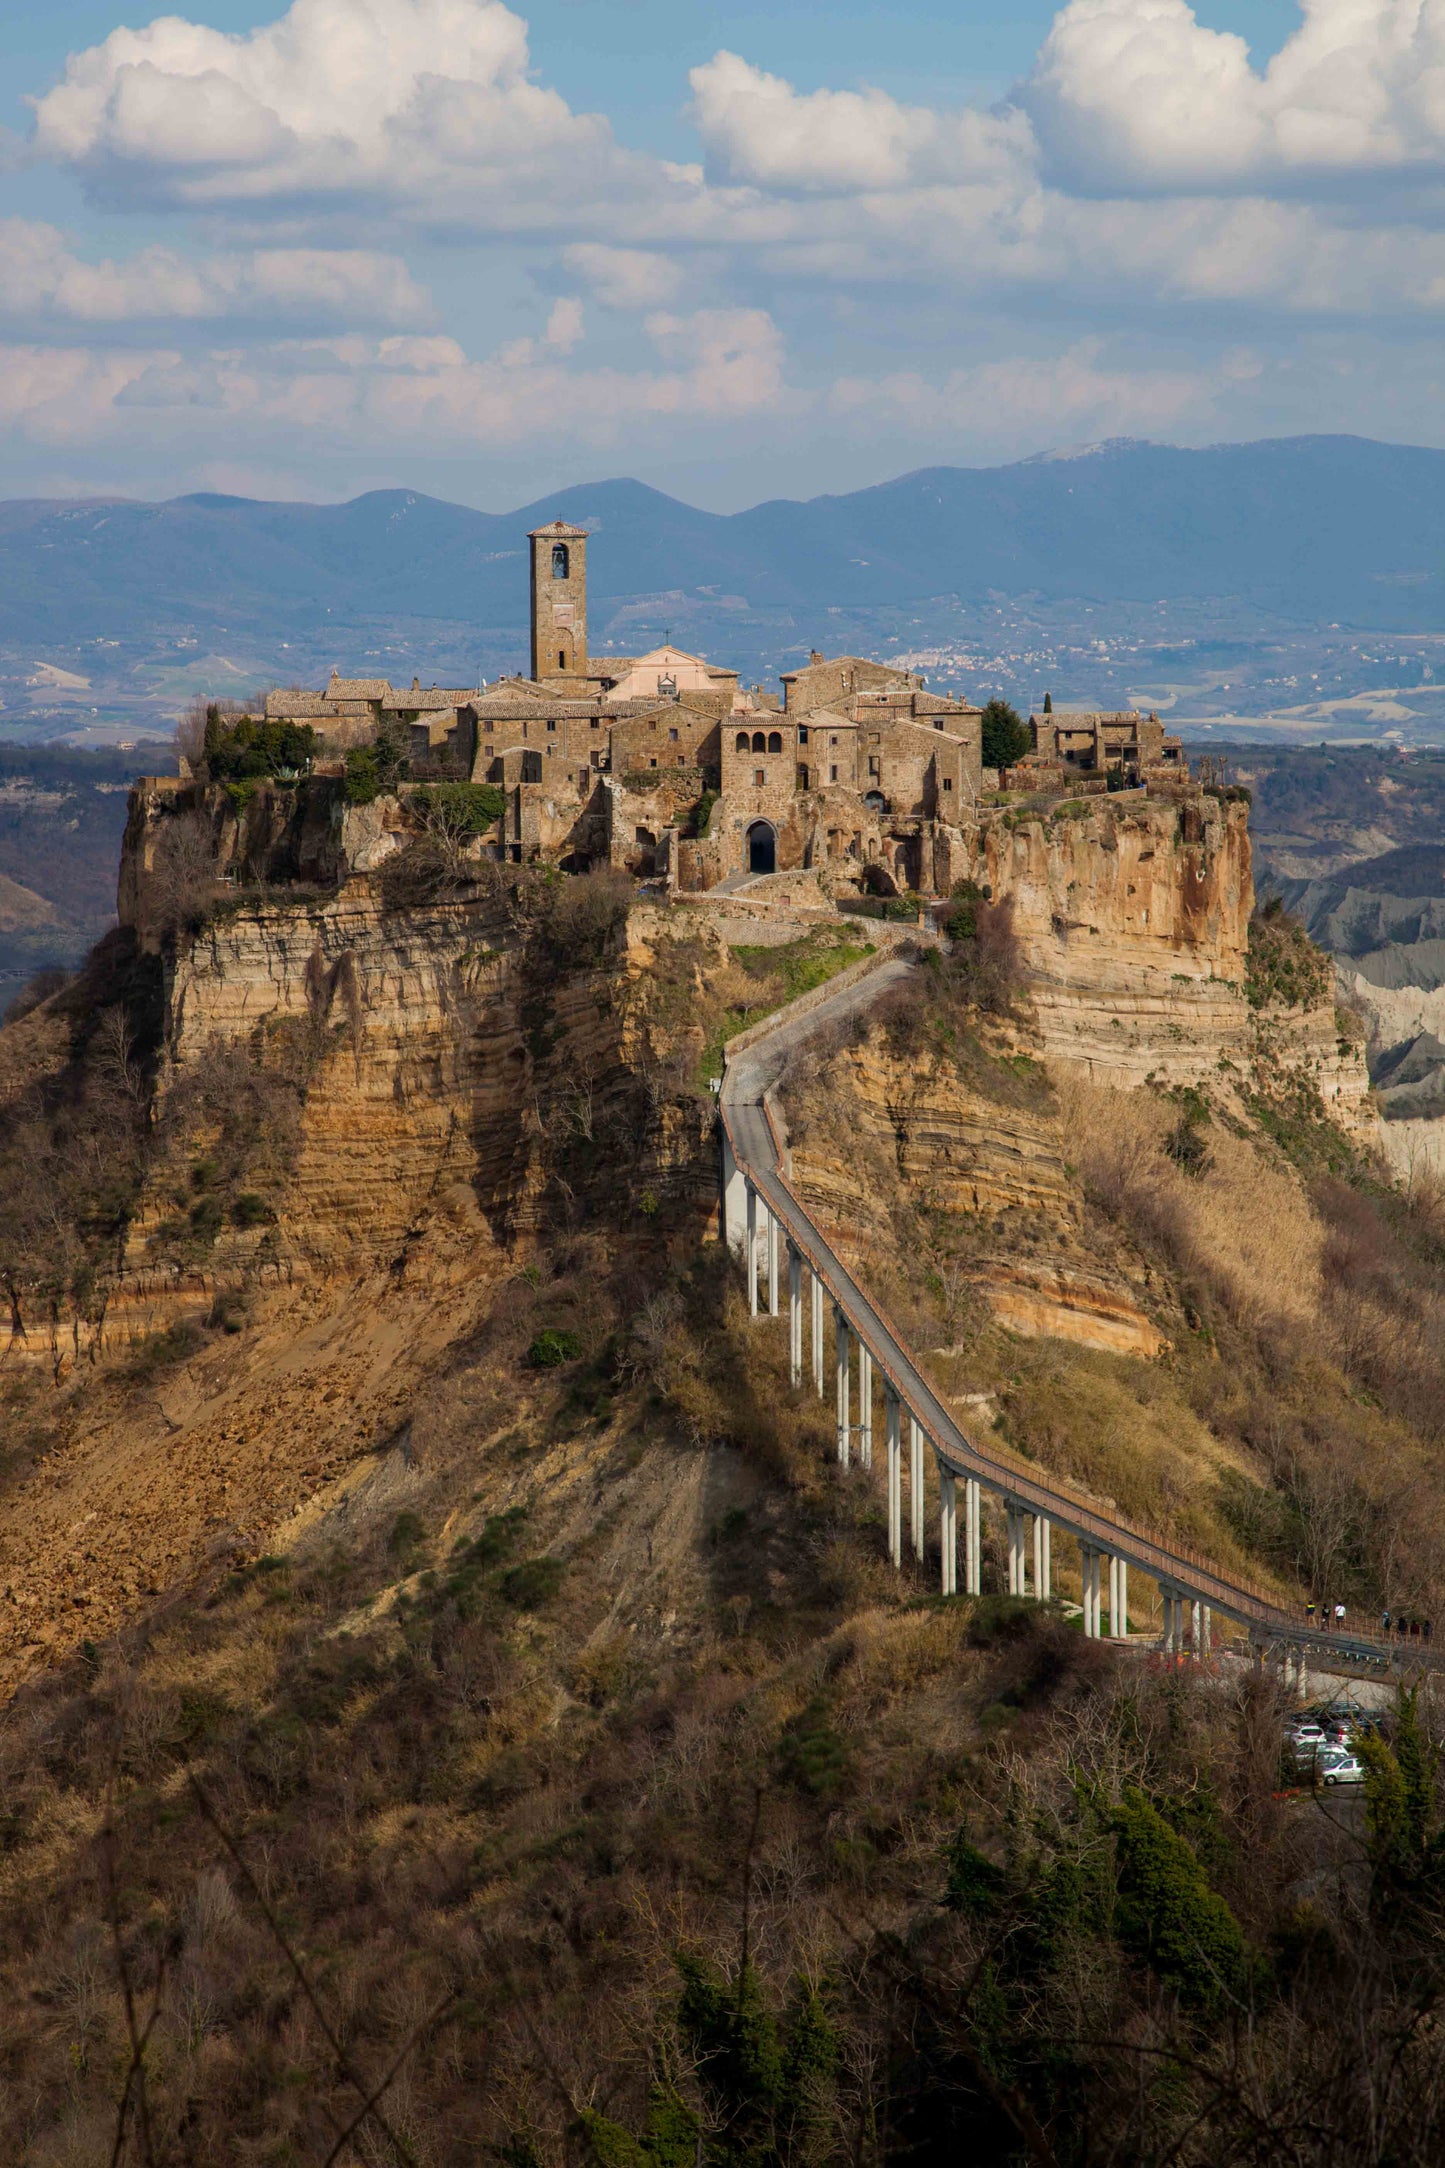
(559, 600)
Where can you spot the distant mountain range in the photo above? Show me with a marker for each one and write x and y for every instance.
(1243, 580)
(1310, 529)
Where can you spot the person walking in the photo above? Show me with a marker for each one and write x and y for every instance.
(1339, 1618)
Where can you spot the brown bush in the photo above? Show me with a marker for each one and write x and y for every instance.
(181, 886)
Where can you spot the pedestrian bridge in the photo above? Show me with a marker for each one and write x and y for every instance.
(790, 1262)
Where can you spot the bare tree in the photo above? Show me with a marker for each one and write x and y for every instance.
(182, 881)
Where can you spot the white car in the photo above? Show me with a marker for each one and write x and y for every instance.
(1341, 1769)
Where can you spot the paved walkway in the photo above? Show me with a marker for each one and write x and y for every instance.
(752, 1129)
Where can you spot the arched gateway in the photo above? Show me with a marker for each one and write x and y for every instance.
(762, 848)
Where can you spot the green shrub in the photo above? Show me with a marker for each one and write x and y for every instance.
(250, 1210)
(373, 771)
(532, 1582)
(553, 1346)
(205, 1218)
(251, 750)
(1168, 1915)
(1005, 735)
(460, 810)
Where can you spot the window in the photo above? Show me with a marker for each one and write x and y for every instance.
(653, 762)
(775, 741)
(938, 722)
(760, 743)
(803, 779)
(802, 734)
(561, 563)
(673, 735)
(759, 778)
(489, 726)
(551, 722)
(833, 740)
(743, 742)
(833, 775)
(873, 764)
(561, 659)
(948, 782)
(682, 760)
(593, 724)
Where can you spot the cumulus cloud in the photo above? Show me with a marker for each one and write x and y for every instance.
(41, 277)
(420, 103)
(624, 278)
(1064, 394)
(759, 130)
(716, 365)
(1140, 93)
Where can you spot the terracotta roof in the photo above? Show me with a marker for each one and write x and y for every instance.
(421, 699)
(560, 528)
(340, 688)
(286, 706)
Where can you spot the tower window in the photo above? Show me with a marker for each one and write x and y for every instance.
(561, 659)
(551, 722)
(673, 735)
(832, 775)
(759, 778)
(760, 742)
(775, 741)
(948, 782)
(561, 563)
(742, 744)
(802, 733)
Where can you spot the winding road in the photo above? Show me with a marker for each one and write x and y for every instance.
(754, 1153)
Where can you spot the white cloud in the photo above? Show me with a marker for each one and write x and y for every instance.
(62, 395)
(1056, 396)
(759, 130)
(426, 104)
(624, 278)
(718, 365)
(41, 277)
(1140, 93)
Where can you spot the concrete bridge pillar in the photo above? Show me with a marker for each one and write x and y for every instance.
(1043, 1559)
(843, 1382)
(772, 1264)
(1196, 1629)
(795, 1316)
(972, 1537)
(915, 1483)
(751, 1241)
(948, 1528)
(1089, 1587)
(892, 1423)
(865, 1406)
(1118, 1597)
(1014, 1527)
(817, 1333)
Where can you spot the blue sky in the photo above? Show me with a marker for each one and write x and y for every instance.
(738, 252)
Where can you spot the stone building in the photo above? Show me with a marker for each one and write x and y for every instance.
(1091, 747)
(664, 764)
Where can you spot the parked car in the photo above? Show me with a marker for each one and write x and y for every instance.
(1341, 1769)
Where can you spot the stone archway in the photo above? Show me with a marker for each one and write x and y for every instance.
(762, 842)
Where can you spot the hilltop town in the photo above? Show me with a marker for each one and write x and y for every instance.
(665, 765)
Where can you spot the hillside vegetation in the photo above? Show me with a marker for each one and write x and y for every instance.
(524, 1752)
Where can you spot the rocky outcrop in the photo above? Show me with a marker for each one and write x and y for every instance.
(980, 1142)
(1133, 916)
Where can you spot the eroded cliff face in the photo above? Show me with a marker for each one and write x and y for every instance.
(449, 1082)
(1133, 915)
